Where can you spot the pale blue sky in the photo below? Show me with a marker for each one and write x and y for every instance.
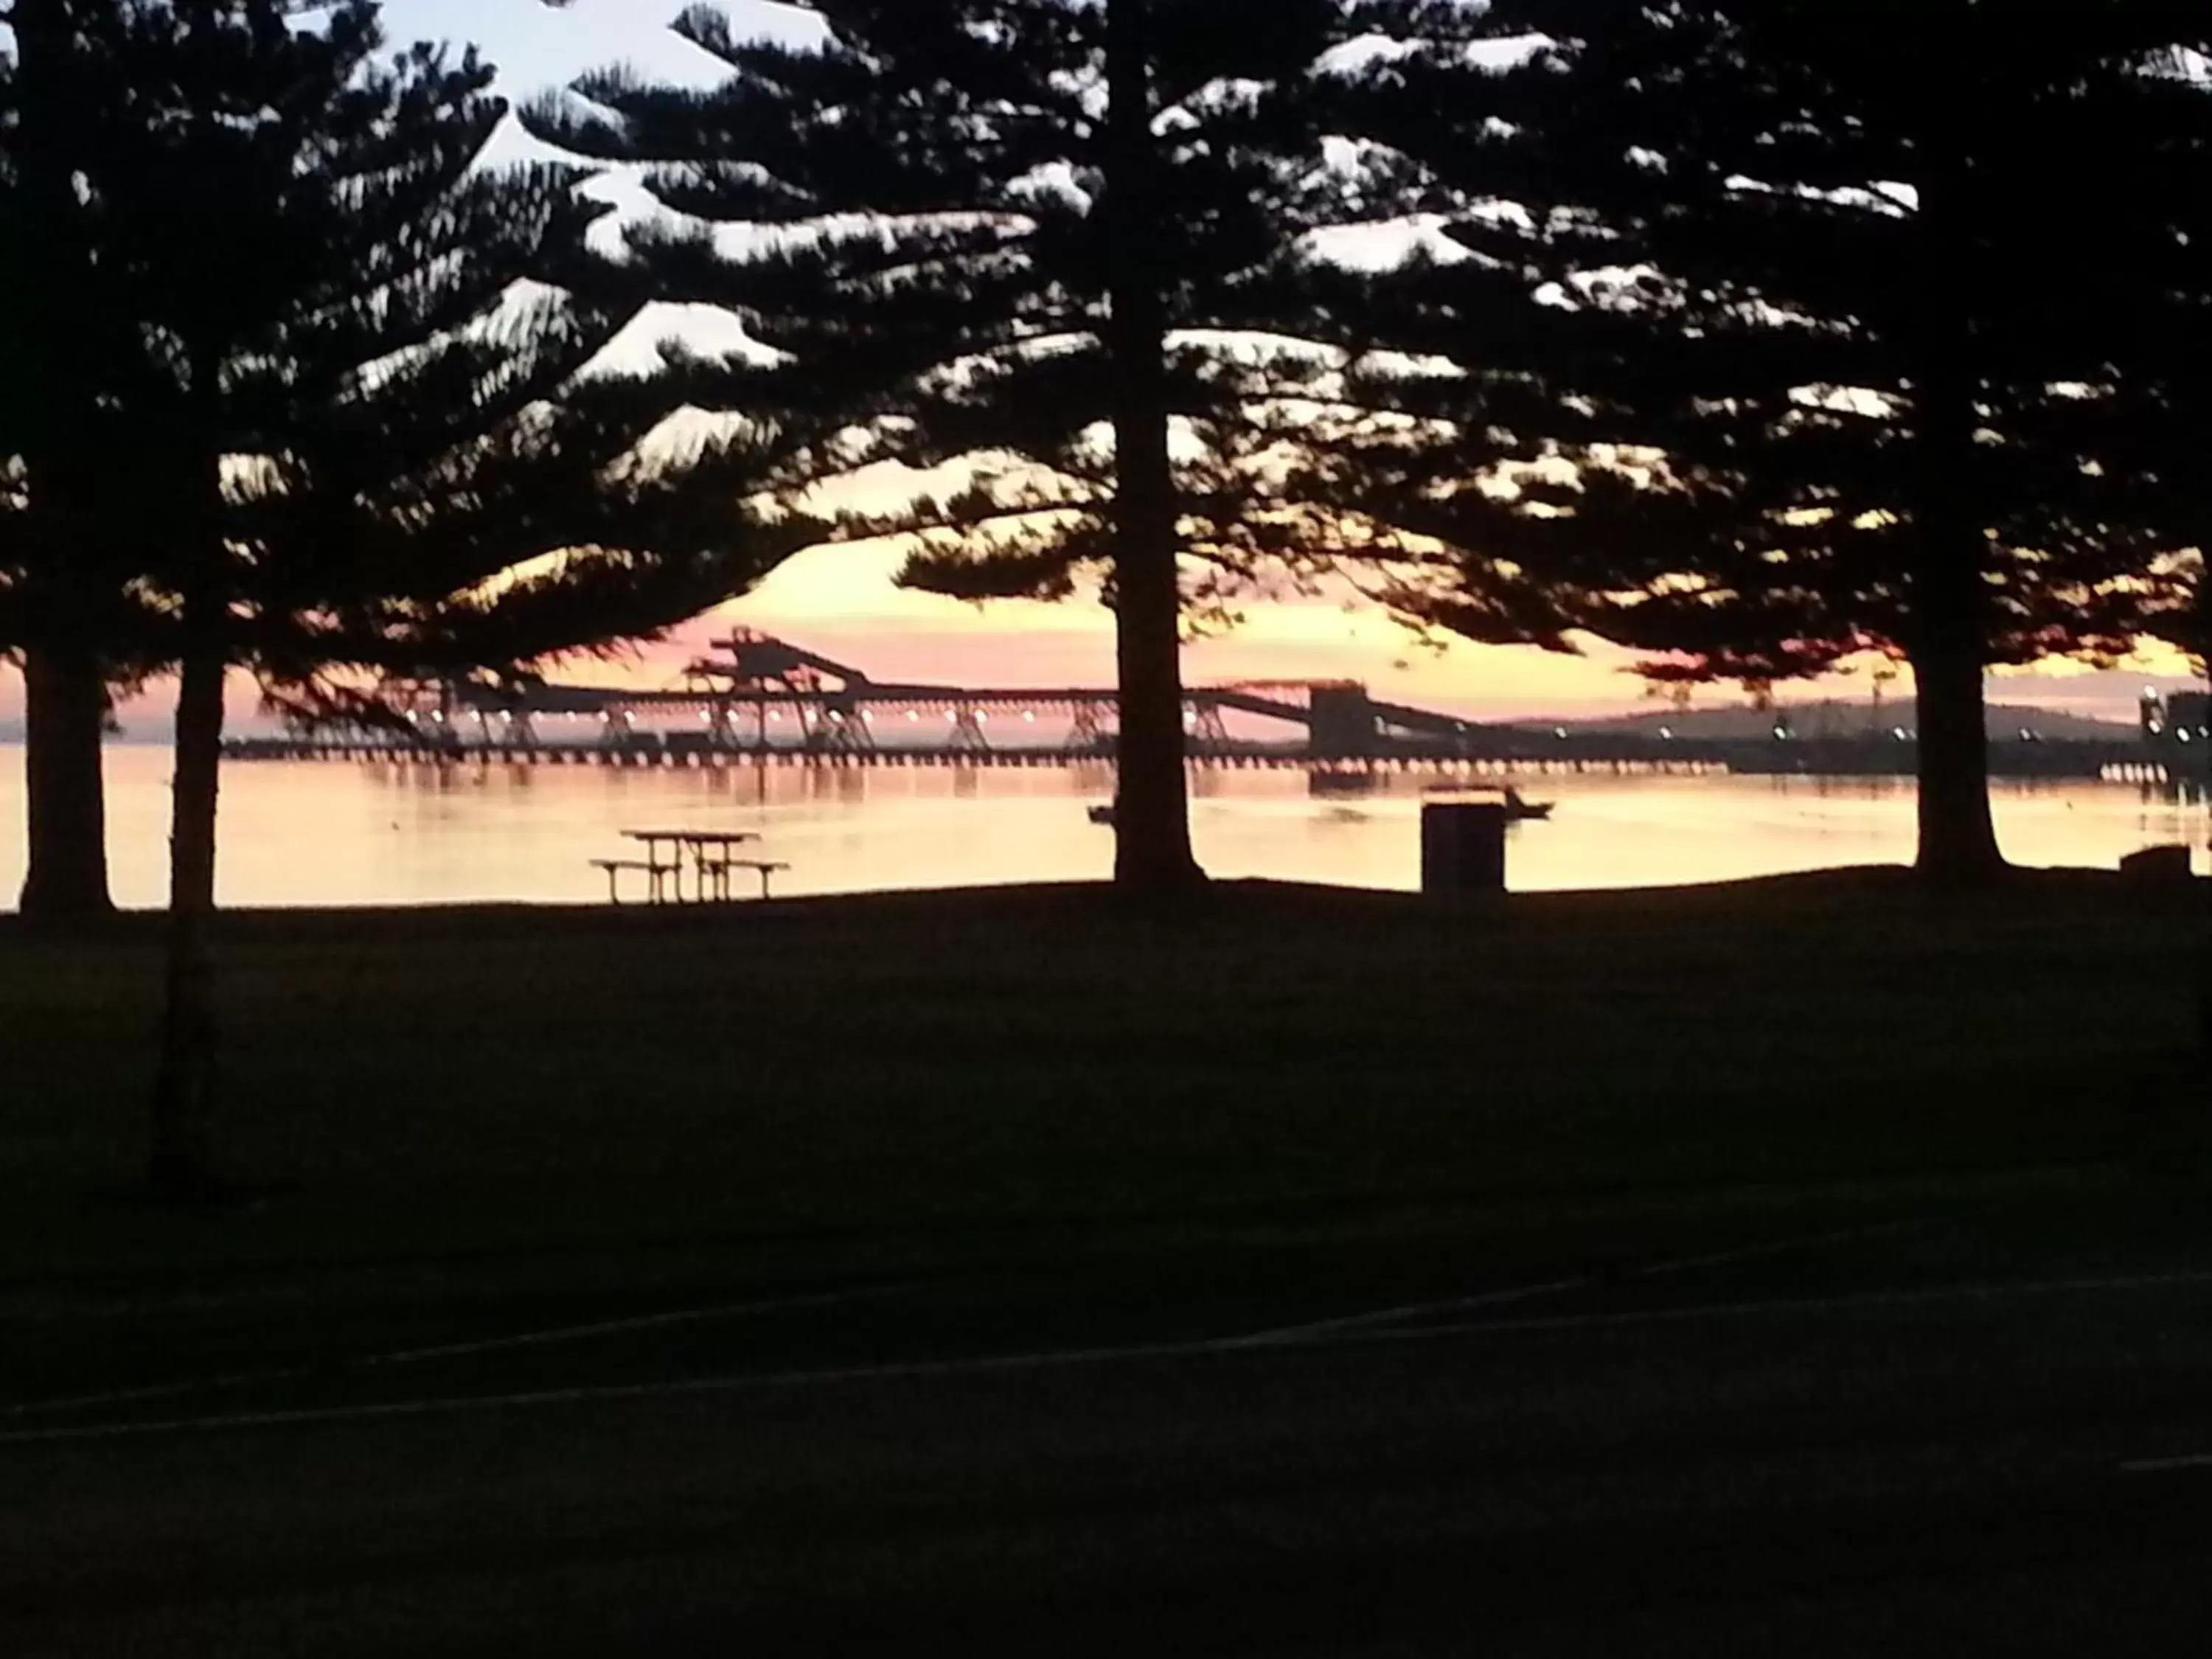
(537, 48)
(537, 45)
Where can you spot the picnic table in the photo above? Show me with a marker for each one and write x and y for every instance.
(712, 854)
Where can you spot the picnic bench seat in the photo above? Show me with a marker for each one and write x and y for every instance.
(761, 867)
(656, 877)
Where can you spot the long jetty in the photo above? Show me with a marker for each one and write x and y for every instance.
(762, 702)
(2056, 761)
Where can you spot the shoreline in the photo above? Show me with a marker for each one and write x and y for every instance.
(1840, 882)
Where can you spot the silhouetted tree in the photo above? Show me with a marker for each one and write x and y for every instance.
(364, 438)
(1050, 235)
(58, 587)
(1849, 337)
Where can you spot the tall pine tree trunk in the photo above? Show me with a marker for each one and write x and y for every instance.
(1951, 619)
(65, 712)
(1152, 853)
(65, 691)
(181, 1161)
(1958, 844)
(182, 1167)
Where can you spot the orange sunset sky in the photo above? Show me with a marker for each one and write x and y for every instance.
(842, 602)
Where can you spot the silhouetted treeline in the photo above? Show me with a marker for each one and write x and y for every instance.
(1751, 334)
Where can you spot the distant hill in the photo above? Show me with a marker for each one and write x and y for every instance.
(1849, 720)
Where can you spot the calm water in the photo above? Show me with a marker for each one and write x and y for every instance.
(338, 833)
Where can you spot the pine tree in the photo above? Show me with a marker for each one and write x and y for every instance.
(371, 445)
(1846, 339)
(57, 588)
(2156, 325)
(1054, 236)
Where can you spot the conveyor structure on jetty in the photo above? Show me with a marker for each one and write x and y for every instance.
(765, 700)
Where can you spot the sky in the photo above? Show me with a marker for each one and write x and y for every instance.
(842, 601)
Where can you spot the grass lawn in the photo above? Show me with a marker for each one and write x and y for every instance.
(788, 1076)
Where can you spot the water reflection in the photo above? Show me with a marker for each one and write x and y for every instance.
(353, 833)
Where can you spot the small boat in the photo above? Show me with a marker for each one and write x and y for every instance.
(1518, 809)
(1103, 812)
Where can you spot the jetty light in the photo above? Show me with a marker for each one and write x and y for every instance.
(1666, 734)
(912, 715)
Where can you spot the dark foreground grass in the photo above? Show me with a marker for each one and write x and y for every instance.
(802, 1075)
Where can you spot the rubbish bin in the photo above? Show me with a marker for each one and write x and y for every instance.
(2158, 867)
(1462, 847)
